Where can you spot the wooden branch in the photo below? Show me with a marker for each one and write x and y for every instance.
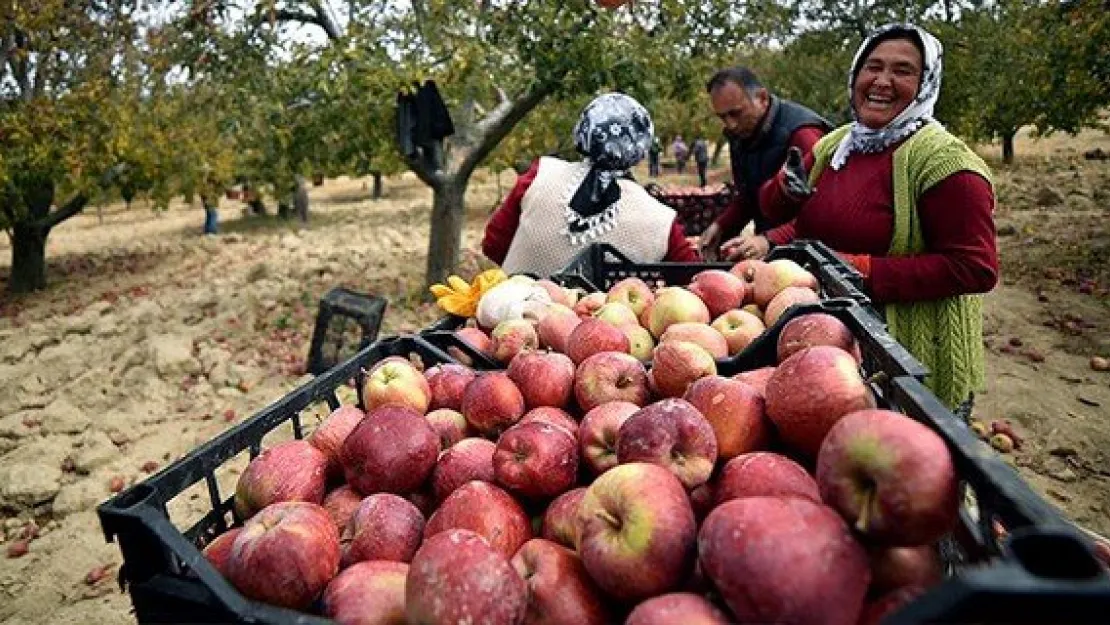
(325, 21)
(288, 15)
(71, 208)
(500, 122)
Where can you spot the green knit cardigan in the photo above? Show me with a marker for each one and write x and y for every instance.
(946, 335)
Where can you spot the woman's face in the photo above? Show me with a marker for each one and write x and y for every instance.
(887, 82)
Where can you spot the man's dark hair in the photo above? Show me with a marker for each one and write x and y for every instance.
(739, 75)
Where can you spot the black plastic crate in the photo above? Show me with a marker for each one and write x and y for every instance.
(695, 211)
(346, 323)
(168, 578)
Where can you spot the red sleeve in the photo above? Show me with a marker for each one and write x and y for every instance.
(781, 235)
(958, 226)
(502, 225)
(774, 204)
(679, 249)
(734, 217)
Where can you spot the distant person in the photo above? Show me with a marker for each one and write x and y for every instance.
(908, 204)
(681, 154)
(760, 127)
(653, 157)
(701, 159)
(557, 207)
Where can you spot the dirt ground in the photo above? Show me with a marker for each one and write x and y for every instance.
(153, 339)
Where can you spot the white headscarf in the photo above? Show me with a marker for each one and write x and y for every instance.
(920, 112)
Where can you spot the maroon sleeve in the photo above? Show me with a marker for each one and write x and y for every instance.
(502, 225)
(679, 249)
(775, 204)
(781, 235)
(734, 217)
(962, 257)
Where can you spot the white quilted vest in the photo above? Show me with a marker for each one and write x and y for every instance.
(641, 228)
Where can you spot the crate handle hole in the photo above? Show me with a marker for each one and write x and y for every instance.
(1054, 556)
(839, 304)
(137, 495)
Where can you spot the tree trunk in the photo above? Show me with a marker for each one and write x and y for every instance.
(377, 185)
(28, 258)
(300, 199)
(1008, 148)
(717, 149)
(448, 216)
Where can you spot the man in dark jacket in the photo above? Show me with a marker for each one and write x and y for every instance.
(760, 129)
(701, 159)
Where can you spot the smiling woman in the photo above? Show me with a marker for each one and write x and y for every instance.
(907, 203)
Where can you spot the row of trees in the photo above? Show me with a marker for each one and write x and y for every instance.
(175, 99)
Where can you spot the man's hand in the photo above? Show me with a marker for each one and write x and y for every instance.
(745, 247)
(795, 176)
(709, 242)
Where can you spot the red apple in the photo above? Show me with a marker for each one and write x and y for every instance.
(816, 329)
(672, 434)
(329, 435)
(512, 337)
(747, 270)
(784, 561)
(487, 510)
(597, 434)
(772, 277)
(393, 450)
(674, 304)
(593, 336)
(447, 382)
(636, 531)
(756, 378)
(640, 342)
(632, 292)
(891, 477)
(456, 577)
(219, 550)
(898, 567)
(810, 391)
(397, 382)
(555, 327)
(764, 474)
(700, 334)
(367, 593)
(735, 410)
(790, 296)
(740, 328)
(617, 315)
(560, 592)
(285, 555)
(469, 459)
(544, 378)
(559, 520)
(678, 364)
(385, 527)
(424, 501)
(588, 305)
(492, 403)
(558, 294)
(720, 290)
(475, 338)
(536, 460)
(449, 425)
(552, 416)
(703, 499)
(289, 471)
(341, 504)
(611, 376)
(677, 607)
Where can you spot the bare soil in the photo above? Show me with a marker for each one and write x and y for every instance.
(153, 339)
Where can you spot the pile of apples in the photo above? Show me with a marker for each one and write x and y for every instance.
(720, 311)
(586, 488)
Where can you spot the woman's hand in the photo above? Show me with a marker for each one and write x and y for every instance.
(709, 242)
(745, 246)
(795, 177)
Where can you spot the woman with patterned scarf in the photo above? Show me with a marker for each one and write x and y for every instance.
(557, 207)
(908, 204)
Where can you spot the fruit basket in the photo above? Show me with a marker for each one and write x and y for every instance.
(697, 207)
(1044, 571)
(163, 570)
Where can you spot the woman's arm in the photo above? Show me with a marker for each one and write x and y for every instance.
(679, 248)
(962, 253)
(502, 225)
(774, 203)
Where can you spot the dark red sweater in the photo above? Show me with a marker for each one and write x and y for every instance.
(737, 215)
(502, 226)
(852, 211)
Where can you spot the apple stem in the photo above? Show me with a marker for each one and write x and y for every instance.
(608, 518)
(868, 497)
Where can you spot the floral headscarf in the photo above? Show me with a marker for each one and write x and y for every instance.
(613, 133)
(920, 112)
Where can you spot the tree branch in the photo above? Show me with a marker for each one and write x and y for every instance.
(71, 208)
(325, 21)
(500, 122)
(319, 19)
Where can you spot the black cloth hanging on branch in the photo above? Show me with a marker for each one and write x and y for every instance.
(423, 121)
